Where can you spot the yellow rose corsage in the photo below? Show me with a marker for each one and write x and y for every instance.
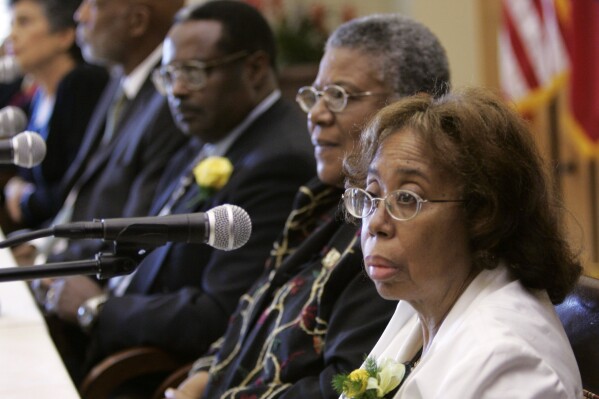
(211, 174)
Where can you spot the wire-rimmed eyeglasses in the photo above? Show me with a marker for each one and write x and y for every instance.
(400, 204)
(335, 97)
(192, 74)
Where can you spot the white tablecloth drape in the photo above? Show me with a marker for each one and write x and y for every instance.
(30, 366)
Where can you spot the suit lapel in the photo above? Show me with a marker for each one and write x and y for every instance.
(183, 163)
(189, 201)
(163, 197)
(143, 279)
(128, 125)
(148, 269)
(93, 133)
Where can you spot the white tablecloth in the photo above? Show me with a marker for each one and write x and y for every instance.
(30, 365)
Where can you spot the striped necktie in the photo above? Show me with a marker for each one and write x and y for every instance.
(114, 114)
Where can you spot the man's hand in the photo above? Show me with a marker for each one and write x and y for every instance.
(65, 295)
(24, 254)
(14, 190)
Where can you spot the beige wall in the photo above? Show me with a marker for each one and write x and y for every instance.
(455, 22)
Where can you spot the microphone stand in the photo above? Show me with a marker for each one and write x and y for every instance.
(124, 260)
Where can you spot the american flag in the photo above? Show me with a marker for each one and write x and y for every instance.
(547, 45)
(533, 57)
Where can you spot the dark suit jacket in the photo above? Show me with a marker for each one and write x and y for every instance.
(76, 98)
(13, 94)
(120, 179)
(182, 295)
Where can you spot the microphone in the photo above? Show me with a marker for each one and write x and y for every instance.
(26, 149)
(225, 227)
(12, 121)
(9, 69)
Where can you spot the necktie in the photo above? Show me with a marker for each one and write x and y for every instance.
(184, 183)
(119, 284)
(64, 215)
(114, 114)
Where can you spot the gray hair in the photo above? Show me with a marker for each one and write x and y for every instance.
(411, 58)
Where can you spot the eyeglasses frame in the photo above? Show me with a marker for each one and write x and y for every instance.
(158, 75)
(376, 200)
(320, 94)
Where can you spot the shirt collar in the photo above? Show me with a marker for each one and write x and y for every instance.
(132, 83)
(221, 147)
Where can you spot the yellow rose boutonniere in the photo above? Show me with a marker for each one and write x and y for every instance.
(212, 174)
(371, 382)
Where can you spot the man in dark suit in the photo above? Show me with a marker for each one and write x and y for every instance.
(131, 135)
(129, 140)
(218, 69)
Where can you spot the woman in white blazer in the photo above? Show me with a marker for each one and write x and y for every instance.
(459, 224)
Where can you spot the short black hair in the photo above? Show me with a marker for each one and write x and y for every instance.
(60, 15)
(58, 12)
(244, 27)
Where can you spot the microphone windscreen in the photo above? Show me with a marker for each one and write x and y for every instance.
(29, 149)
(12, 121)
(9, 69)
(230, 227)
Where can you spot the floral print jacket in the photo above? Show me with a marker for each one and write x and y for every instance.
(313, 314)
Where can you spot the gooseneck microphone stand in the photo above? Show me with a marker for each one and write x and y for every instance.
(123, 260)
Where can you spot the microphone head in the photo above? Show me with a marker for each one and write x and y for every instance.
(230, 227)
(29, 149)
(9, 69)
(12, 121)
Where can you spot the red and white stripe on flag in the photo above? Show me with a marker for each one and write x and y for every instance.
(533, 57)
